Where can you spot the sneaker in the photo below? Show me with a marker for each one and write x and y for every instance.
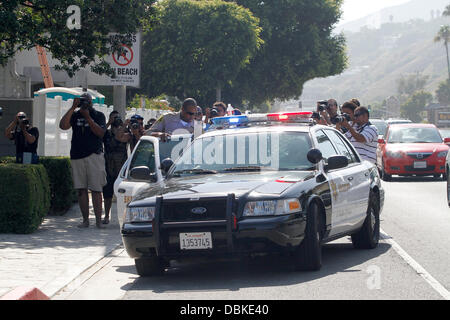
(105, 220)
(83, 225)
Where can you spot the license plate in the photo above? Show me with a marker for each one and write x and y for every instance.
(127, 199)
(420, 164)
(195, 241)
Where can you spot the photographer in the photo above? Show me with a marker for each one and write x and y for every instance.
(219, 109)
(321, 115)
(171, 122)
(364, 135)
(348, 110)
(115, 157)
(25, 137)
(86, 154)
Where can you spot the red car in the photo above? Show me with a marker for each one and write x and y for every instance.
(412, 149)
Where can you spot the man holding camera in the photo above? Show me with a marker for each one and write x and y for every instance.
(25, 137)
(363, 136)
(115, 157)
(171, 122)
(86, 154)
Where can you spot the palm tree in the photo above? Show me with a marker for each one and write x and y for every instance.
(446, 11)
(444, 35)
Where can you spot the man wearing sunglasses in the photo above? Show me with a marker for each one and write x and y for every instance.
(363, 136)
(182, 121)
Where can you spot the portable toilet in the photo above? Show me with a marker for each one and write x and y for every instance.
(71, 93)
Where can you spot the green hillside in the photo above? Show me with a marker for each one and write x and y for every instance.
(378, 58)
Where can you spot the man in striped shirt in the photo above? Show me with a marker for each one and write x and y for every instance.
(363, 136)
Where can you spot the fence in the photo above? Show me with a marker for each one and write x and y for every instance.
(47, 112)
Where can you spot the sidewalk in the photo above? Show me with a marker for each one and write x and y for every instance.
(57, 253)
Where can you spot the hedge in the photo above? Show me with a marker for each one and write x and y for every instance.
(61, 184)
(25, 197)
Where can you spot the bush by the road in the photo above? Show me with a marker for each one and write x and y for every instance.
(25, 194)
(59, 172)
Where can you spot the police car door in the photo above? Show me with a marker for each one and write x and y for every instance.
(146, 153)
(358, 179)
(340, 186)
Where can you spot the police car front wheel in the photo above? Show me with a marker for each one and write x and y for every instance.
(308, 256)
(368, 236)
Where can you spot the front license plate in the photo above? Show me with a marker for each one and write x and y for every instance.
(195, 241)
(420, 164)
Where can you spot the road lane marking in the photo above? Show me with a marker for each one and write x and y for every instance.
(416, 266)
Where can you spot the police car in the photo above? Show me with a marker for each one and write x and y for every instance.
(143, 167)
(262, 184)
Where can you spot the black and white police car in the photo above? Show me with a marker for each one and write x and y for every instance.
(264, 184)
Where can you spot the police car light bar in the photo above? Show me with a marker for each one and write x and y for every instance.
(291, 116)
(229, 121)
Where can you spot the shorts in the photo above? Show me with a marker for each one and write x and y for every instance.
(89, 173)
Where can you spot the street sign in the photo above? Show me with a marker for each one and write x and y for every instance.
(126, 64)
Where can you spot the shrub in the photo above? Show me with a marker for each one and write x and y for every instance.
(61, 185)
(59, 172)
(25, 194)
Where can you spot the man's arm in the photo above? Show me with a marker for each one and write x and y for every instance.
(64, 124)
(9, 129)
(30, 138)
(95, 127)
(358, 136)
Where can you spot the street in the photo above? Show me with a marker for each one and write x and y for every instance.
(410, 263)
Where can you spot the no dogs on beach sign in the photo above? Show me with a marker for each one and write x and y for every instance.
(126, 64)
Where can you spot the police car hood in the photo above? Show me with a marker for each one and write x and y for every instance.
(270, 183)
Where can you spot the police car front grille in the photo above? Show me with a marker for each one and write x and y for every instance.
(202, 210)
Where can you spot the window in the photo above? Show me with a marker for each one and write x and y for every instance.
(341, 146)
(144, 156)
(325, 146)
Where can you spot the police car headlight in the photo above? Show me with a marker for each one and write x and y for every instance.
(139, 214)
(272, 207)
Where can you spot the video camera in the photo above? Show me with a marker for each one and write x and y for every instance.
(322, 105)
(85, 101)
(340, 118)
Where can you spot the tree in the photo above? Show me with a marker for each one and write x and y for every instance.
(298, 46)
(411, 83)
(443, 93)
(26, 24)
(444, 36)
(198, 46)
(446, 11)
(415, 105)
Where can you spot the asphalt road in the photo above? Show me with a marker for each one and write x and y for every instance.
(411, 262)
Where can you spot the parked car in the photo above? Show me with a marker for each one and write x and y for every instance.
(412, 149)
(148, 153)
(381, 126)
(276, 186)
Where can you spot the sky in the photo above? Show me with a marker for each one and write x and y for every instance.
(355, 9)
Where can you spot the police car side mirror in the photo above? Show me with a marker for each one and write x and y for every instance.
(143, 173)
(337, 162)
(166, 164)
(314, 156)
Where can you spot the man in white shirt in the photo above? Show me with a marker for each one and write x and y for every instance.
(364, 136)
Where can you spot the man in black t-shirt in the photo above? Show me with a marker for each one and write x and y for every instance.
(86, 154)
(25, 137)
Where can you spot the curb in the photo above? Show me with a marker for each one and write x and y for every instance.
(25, 293)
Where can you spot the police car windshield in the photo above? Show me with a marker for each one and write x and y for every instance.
(247, 152)
(414, 135)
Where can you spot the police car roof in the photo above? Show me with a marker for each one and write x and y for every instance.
(272, 127)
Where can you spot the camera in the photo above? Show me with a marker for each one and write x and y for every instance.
(214, 113)
(117, 122)
(340, 118)
(134, 124)
(316, 116)
(322, 105)
(25, 122)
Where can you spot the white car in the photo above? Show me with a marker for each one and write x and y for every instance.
(143, 167)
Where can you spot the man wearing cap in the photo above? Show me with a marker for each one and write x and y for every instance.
(25, 137)
(172, 123)
(86, 154)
